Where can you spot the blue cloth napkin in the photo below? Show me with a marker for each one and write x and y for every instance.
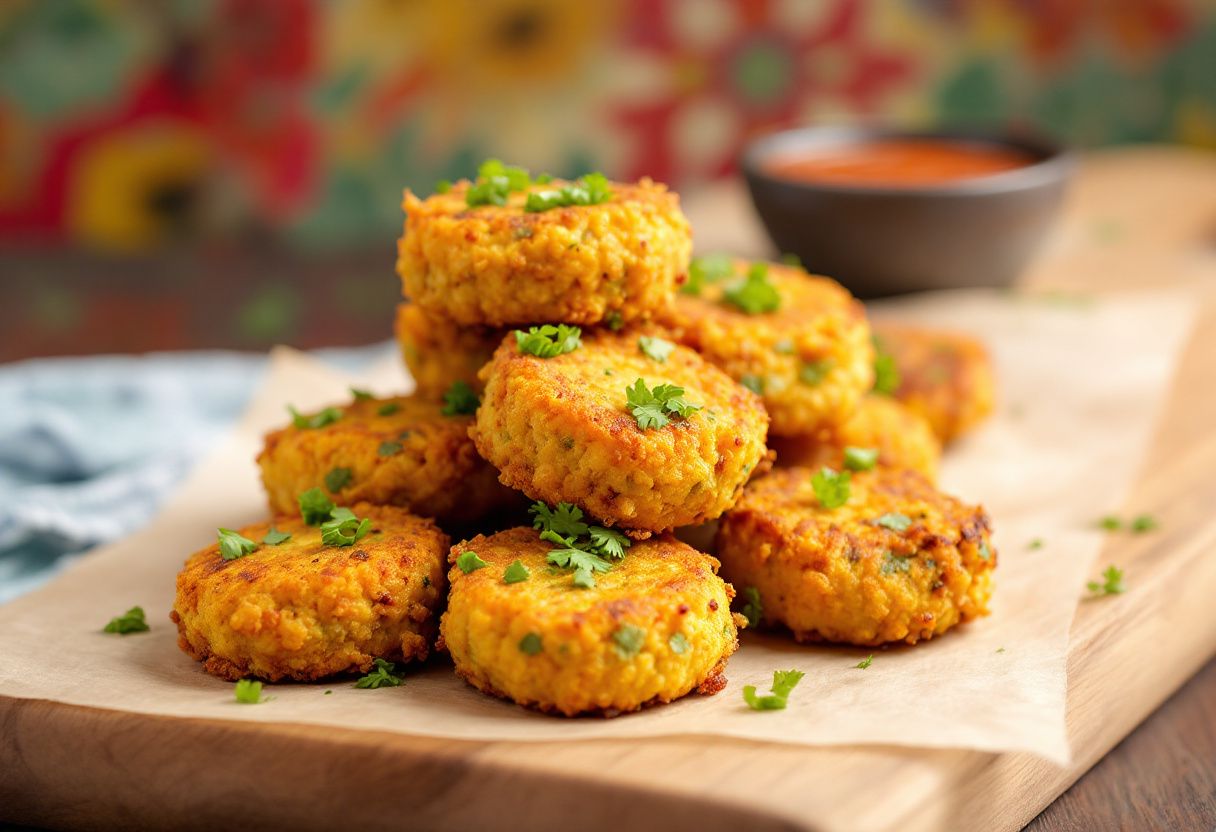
(90, 447)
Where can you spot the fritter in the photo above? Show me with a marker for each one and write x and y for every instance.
(304, 610)
(654, 628)
(947, 377)
(438, 352)
(899, 561)
(561, 430)
(400, 451)
(807, 351)
(618, 261)
(902, 438)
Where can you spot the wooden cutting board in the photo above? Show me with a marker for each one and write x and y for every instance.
(67, 766)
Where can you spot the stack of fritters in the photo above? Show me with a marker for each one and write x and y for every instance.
(566, 349)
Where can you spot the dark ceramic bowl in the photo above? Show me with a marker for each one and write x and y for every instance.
(887, 240)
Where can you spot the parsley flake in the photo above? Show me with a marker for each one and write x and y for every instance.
(679, 644)
(317, 420)
(470, 561)
(860, 459)
(548, 341)
(653, 408)
(866, 662)
(628, 640)
(515, 573)
(274, 537)
(234, 545)
(530, 644)
(131, 621)
(344, 528)
(460, 400)
(315, 506)
(1111, 583)
(381, 676)
(337, 479)
(784, 682)
(813, 373)
(248, 692)
(656, 348)
(754, 294)
(894, 521)
(389, 448)
(753, 609)
(710, 268)
(831, 488)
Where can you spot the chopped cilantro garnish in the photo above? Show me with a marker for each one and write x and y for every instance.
(886, 374)
(317, 420)
(515, 573)
(460, 400)
(753, 382)
(360, 395)
(1110, 523)
(548, 341)
(315, 506)
(1143, 523)
(591, 189)
(831, 487)
(494, 182)
(443, 186)
(652, 408)
(233, 545)
(710, 268)
(344, 528)
(530, 644)
(131, 621)
(860, 459)
(381, 676)
(784, 682)
(813, 373)
(563, 519)
(337, 479)
(1111, 583)
(274, 537)
(563, 525)
(608, 542)
(894, 521)
(753, 609)
(656, 348)
(388, 409)
(679, 644)
(628, 640)
(754, 294)
(470, 561)
(248, 692)
(389, 448)
(866, 662)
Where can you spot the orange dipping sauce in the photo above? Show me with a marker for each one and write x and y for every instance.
(900, 163)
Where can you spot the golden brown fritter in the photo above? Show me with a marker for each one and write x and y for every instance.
(303, 610)
(810, 359)
(558, 429)
(947, 377)
(902, 438)
(499, 265)
(400, 451)
(654, 628)
(898, 562)
(438, 351)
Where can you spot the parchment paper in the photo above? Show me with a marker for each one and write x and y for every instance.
(1081, 383)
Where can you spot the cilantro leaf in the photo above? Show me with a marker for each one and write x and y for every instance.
(628, 640)
(360, 395)
(894, 562)
(754, 294)
(1143, 523)
(886, 374)
(470, 561)
(860, 459)
(495, 181)
(1111, 583)
(388, 409)
(515, 573)
(563, 519)
(571, 558)
(784, 682)
(460, 400)
(234, 545)
(583, 579)
(1110, 523)
(608, 542)
(894, 521)
(762, 703)
(315, 506)
(274, 537)
(866, 662)
(344, 528)
(530, 644)
(443, 186)
(337, 479)
(656, 348)
(753, 609)
(548, 340)
(317, 420)
(812, 373)
(381, 676)
(591, 189)
(248, 692)
(831, 488)
(389, 448)
(710, 268)
(652, 409)
(753, 382)
(131, 621)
